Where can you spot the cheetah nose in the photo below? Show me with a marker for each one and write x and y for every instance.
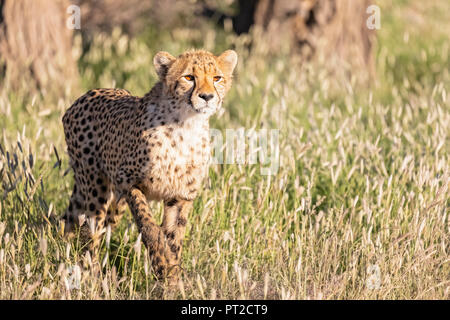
(206, 97)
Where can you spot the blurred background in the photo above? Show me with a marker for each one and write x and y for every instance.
(37, 47)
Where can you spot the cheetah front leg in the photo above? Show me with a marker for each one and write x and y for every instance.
(152, 234)
(174, 226)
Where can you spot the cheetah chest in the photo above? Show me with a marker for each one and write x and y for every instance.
(178, 163)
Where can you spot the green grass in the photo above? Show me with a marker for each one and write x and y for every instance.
(363, 177)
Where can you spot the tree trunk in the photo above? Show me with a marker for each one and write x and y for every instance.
(36, 46)
(329, 27)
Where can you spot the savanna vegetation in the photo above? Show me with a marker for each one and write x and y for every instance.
(358, 209)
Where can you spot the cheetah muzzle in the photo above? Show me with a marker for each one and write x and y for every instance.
(129, 150)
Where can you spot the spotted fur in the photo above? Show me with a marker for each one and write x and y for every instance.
(129, 150)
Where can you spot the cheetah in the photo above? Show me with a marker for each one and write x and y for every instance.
(128, 150)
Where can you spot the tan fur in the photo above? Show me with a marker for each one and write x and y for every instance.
(134, 149)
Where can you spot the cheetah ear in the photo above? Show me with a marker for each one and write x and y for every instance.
(228, 61)
(162, 61)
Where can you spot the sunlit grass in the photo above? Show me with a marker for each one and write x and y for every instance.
(363, 178)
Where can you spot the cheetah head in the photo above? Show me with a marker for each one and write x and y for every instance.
(197, 77)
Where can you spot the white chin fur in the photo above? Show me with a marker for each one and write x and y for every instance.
(206, 109)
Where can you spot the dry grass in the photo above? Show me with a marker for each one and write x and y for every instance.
(363, 178)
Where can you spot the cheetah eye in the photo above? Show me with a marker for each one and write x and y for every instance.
(217, 78)
(189, 78)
